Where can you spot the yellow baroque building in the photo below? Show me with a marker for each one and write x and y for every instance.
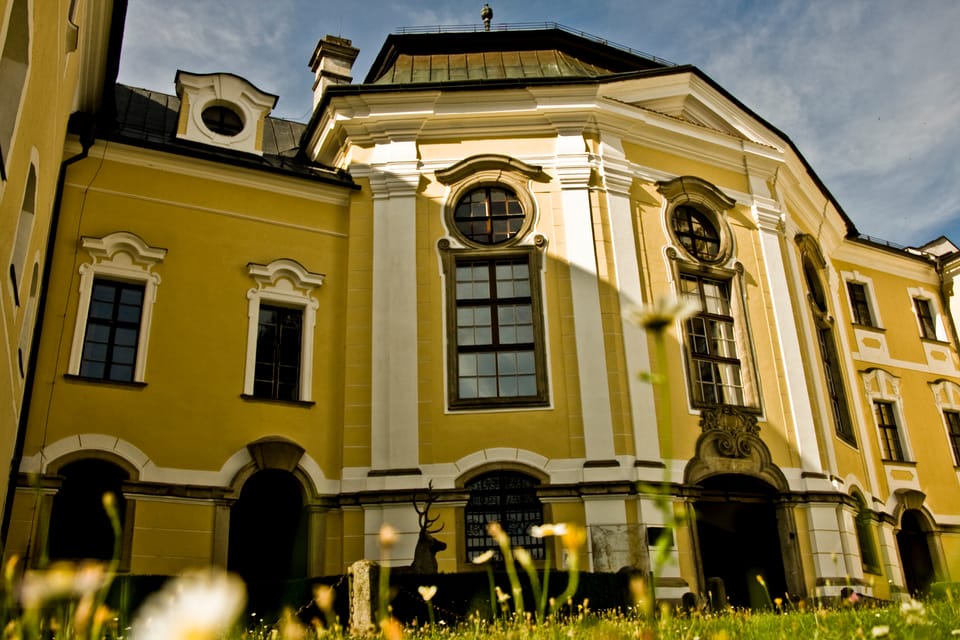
(267, 338)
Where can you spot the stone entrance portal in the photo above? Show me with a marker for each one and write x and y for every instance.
(739, 541)
(915, 557)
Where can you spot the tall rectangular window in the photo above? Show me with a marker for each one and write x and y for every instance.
(835, 389)
(498, 355)
(890, 446)
(928, 328)
(860, 304)
(113, 331)
(711, 340)
(953, 432)
(277, 368)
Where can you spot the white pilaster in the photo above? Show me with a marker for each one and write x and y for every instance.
(574, 170)
(394, 419)
(767, 215)
(617, 179)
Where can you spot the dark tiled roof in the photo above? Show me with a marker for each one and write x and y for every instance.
(149, 118)
(488, 65)
(453, 57)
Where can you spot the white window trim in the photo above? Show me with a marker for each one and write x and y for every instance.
(125, 257)
(933, 301)
(286, 283)
(947, 396)
(858, 278)
(883, 386)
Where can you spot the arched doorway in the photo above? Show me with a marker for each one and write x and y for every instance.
(268, 537)
(739, 539)
(79, 525)
(915, 558)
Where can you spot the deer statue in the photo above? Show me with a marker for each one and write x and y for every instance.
(425, 554)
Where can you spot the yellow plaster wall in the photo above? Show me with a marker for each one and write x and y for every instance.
(199, 327)
(169, 537)
(45, 106)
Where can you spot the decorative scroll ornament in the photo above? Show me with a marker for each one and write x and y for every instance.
(734, 431)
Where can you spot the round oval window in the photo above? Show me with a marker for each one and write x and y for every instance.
(222, 120)
(489, 215)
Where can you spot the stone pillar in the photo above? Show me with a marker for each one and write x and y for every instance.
(827, 548)
(891, 560)
(618, 180)
(316, 539)
(221, 533)
(574, 171)
(364, 577)
(394, 411)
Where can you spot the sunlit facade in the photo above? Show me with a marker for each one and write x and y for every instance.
(268, 338)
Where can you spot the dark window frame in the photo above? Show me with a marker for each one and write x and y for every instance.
(923, 307)
(277, 358)
(860, 304)
(509, 498)
(891, 446)
(222, 119)
(498, 226)
(952, 418)
(104, 331)
(697, 233)
(518, 255)
(704, 362)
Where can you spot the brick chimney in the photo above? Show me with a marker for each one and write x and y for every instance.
(331, 63)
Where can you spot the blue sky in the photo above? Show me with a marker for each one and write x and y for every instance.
(869, 91)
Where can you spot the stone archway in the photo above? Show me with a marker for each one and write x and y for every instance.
(913, 543)
(739, 541)
(269, 523)
(744, 521)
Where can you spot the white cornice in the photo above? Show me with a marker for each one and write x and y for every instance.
(227, 174)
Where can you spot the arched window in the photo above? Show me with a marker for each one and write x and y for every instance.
(13, 75)
(24, 231)
(79, 525)
(509, 498)
(868, 548)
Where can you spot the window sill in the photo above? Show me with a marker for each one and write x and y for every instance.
(937, 341)
(135, 384)
(296, 403)
(494, 404)
(868, 327)
(847, 440)
(902, 463)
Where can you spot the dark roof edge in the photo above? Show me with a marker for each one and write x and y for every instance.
(851, 228)
(324, 174)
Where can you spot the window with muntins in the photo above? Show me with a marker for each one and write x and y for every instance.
(953, 433)
(496, 337)
(928, 327)
(510, 499)
(118, 291)
(489, 215)
(696, 233)
(860, 304)
(113, 331)
(712, 344)
(891, 448)
(277, 372)
(492, 263)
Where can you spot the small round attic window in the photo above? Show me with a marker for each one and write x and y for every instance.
(697, 233)
(223, 120)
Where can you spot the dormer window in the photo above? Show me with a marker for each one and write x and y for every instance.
(222, 110)
(223, 120)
